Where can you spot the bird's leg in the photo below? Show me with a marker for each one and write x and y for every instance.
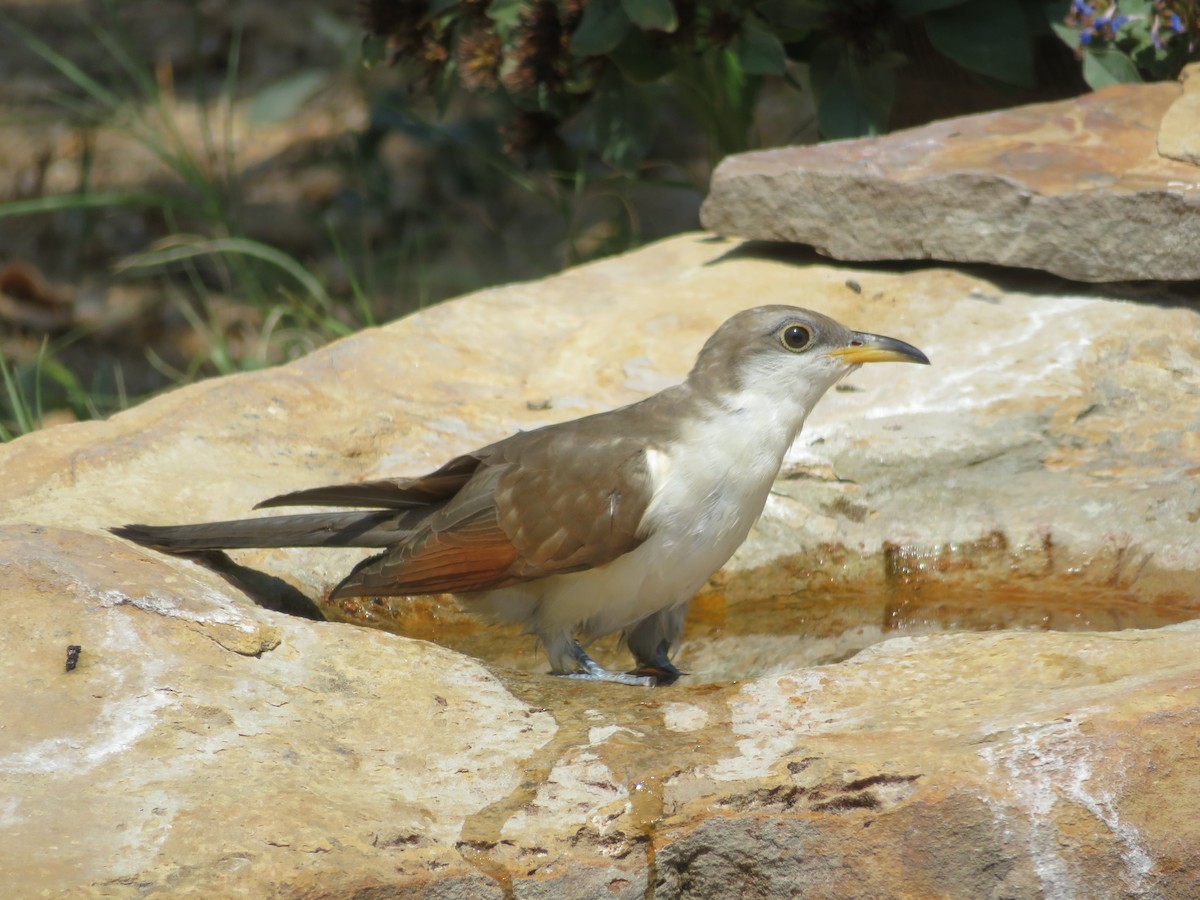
(650, 641)
(590, 670)
(659, 667)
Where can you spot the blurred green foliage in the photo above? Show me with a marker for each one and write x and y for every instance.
(196, 199)
(558, 62)
(519, 136)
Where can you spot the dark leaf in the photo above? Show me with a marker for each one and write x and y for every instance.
(990, 37)
(854, 97)
(839, 113)
(603, 26)
(639, 59)
(651, 15)
(875, 86)
(1053, 10)
(907, 8)
(824, 63)
(796, 14)
(758, 51)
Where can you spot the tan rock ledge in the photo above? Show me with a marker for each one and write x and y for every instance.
(1077, 188)
(944, 664)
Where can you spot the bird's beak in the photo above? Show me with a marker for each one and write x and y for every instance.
(868, 348)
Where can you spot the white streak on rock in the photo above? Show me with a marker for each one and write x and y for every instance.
(1046, 765)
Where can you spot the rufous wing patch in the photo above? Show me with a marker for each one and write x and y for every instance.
(474, 555)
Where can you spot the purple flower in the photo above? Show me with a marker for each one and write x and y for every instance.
(1176, 23)
(1118, 21)
(1080, 7)
(1085, 37)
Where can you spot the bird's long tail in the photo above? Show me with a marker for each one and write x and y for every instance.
(371, 528)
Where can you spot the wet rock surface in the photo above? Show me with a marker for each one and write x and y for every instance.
(957, 656)
(1089, 189)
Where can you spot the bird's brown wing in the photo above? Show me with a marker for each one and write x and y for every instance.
(540, 503)
(391, 493)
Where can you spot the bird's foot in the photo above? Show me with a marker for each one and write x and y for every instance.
(590, 670)
(660, 668)
(660, 674)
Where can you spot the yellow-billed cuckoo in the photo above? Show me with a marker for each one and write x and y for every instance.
(581, 529)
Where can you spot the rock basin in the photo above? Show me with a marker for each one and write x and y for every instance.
(943, 664)
(736, 631)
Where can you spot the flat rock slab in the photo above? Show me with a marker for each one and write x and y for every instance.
(1043, 473)
(1076, 187)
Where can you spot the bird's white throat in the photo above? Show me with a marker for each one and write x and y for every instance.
(710, 486)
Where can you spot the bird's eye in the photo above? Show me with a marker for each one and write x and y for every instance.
(796, 337)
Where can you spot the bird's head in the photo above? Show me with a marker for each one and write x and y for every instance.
(789, 356)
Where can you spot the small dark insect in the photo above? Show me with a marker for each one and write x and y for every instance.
(73, 651)
(854, 285)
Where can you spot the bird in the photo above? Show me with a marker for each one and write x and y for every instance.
(603, 524)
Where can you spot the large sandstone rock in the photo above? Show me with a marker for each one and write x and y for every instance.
(1076, 187)
(1179, 133)
(1043, 474)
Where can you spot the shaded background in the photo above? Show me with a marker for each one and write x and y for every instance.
(199, 188)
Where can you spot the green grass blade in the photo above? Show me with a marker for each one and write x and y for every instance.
(178, 251)
(22, 415)
(58, 202)
(76, 75)
(360, 298)
(120, 53)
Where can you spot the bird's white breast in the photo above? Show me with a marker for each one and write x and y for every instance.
(709, 487)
